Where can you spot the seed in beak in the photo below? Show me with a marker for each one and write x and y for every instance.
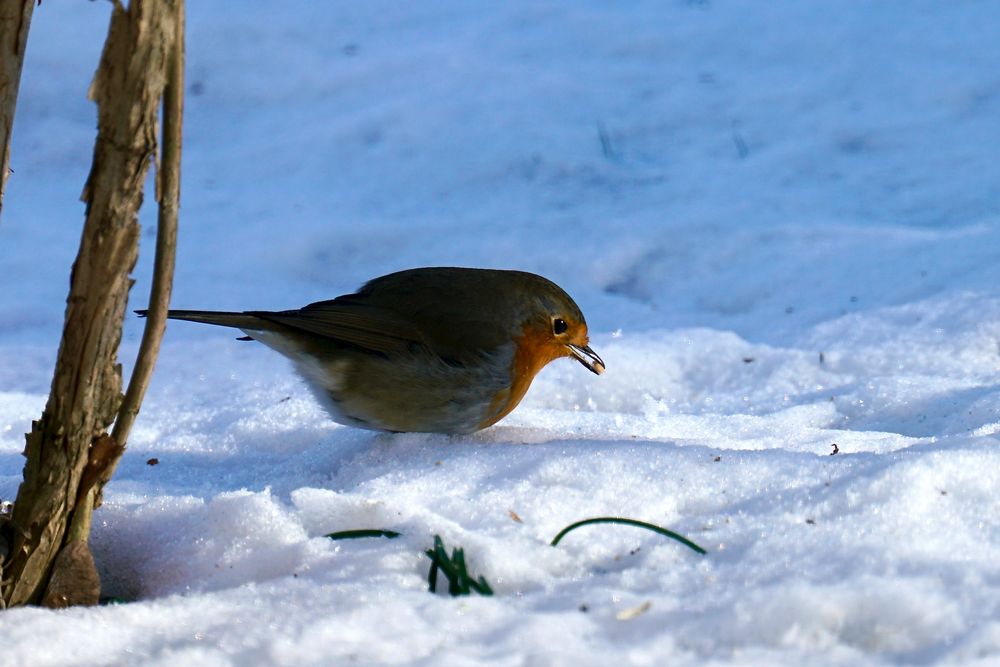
(587, 357)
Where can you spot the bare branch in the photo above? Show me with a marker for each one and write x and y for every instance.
(86, 387)
(15, 20)
(168, 194)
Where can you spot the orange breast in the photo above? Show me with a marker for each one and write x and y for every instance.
(535, 349)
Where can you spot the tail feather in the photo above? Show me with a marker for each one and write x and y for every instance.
(220, 318)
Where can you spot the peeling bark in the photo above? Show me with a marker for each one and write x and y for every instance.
(67, 450)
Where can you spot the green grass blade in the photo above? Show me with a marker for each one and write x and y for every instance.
(364, 532)
(432, 577)
(628, 522)
(455, 569)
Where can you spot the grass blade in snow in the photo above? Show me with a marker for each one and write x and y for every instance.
(628, 522)
(460, 582)
(364, 532)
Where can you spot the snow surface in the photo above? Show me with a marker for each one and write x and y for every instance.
(780, 219)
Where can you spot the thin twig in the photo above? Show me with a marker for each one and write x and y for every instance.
(168, 194)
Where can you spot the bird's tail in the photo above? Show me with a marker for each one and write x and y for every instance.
(220, 318)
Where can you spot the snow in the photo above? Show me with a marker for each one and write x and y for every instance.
(780, 220)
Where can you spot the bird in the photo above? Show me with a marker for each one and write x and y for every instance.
(435, 350)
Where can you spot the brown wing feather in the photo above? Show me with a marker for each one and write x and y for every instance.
(463, 312)
(450, 311)
(357, 324)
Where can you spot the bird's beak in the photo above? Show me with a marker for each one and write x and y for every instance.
(587, 357)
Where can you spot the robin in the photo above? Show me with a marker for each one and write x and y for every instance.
(440, 350)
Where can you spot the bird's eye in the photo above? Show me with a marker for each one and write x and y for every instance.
(559, 326)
